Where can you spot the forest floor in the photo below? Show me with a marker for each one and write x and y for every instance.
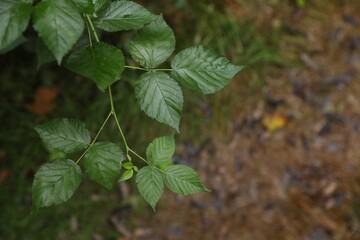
(286, 165)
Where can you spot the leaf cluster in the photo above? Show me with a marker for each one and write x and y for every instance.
(60, 24)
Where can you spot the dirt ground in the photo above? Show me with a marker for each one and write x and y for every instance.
(288, 164)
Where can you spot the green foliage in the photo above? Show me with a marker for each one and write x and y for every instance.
(153, 44)
(183, 180)
(103, 162)
(201, 69)
(124, 15)
(14, 18)
(160, 97)
(101, 63)
(55, 182)
(67, 135)
(60, 24)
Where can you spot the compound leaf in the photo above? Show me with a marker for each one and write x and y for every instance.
(102, 63)
(124, 15)
(67, 135)
(103, 162)
(59, 25)
(55, 182)
(150, 184)
(153, 44)
(201, 69)
(161, 150)
(14, 18)
(160, 97)
(183, 180)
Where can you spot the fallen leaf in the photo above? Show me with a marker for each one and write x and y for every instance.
(274, 121)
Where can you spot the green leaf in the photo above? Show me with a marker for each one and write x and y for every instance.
(55, 182)
(59, 25)
(101, 5)
(127, 165)
(183, 180)
(161, 150)
(14, 44)
(201, 69)
(85, 6)
(153, 44)
(160, 97)
(43, 53)
(126, 175)
(150, 184)
(124, 15)
(67, 135)
(102, 63)
(14, 18)
(103, 162)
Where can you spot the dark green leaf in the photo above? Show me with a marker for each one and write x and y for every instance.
(150, 184)
(59, 25)
(160, 97)
(14, 18)
(124, 15)
(102, 63)
(68, 135)
(101, 5)
(153, 44)
(126, 175)
(85, 6)
(43, 53)
(14, 44)
(202, 69)
(161, 150)
(103, 162)
(183, 180)
(55, 182)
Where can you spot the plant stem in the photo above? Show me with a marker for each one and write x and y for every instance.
(92, 28)
(95, 138)
(138, 68)
(140, 157)
(113, 112)
(88, 30)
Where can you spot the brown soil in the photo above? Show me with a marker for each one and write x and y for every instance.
(297, 180)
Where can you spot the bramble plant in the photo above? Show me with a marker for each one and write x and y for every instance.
(60, 24)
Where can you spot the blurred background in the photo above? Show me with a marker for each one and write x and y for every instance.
(278, 147)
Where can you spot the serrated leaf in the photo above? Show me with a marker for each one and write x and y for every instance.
(14, 18)
(67, 135)
(124, 15)
(55, 182)
(126, 175)
(153, 44)
(183, 180)
(160, 97)
(202, 69)
(150, 184)
(161, 150)
(43, 53)
(85, 6)
(59, 25)
(103, 162)
(102, 63)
